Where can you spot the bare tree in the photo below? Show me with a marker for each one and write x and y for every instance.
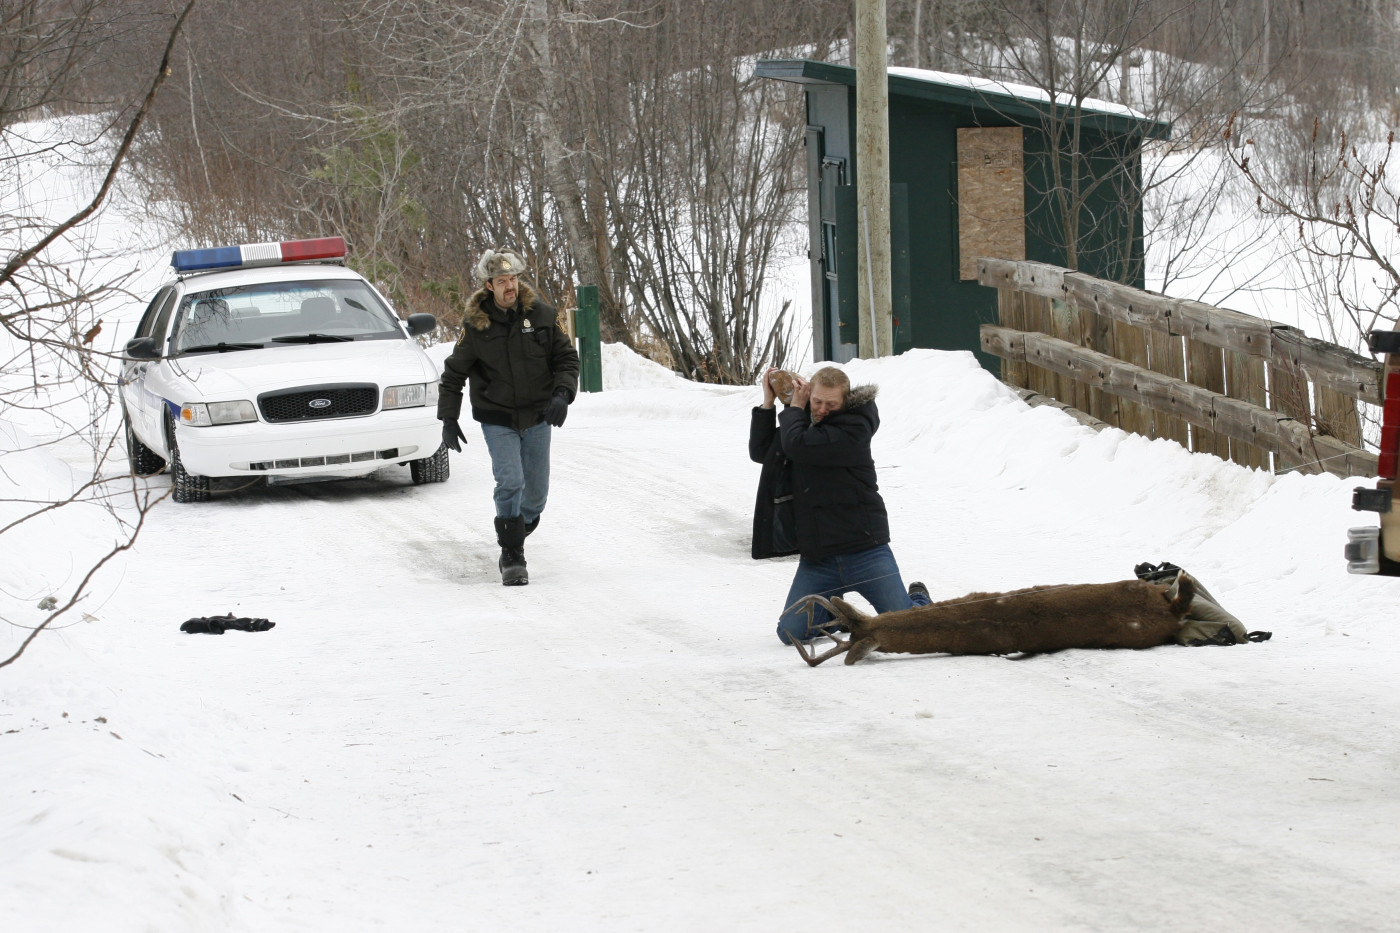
(1345, 215)
(43, 298)
(458, 126)
(710, 193)
(625, 149)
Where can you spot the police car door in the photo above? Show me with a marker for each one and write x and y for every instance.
(142, 407)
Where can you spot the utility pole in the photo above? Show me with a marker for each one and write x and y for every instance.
(873, 179)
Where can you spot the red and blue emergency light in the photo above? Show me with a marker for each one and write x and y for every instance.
(258, 254)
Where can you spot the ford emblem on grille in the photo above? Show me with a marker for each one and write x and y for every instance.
(320, 403)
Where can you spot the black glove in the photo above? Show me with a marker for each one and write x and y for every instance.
(558, 408)
(217, 625)
(452, 433)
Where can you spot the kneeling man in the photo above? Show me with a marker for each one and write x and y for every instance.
(841, 528)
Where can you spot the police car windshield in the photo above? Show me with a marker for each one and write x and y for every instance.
(277, 313)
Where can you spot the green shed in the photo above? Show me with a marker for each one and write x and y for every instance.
(973, 173)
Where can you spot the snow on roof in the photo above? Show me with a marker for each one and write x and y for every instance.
(1019, 91)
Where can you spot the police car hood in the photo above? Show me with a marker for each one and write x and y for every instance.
(245, 373)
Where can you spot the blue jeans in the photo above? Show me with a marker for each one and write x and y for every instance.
(520, 464)
(873, 574)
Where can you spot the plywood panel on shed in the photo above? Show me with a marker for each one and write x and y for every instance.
(991, 196)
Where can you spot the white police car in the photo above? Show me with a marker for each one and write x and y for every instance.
(273, 360)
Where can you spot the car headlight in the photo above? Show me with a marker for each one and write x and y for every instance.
(203, 414)
(414, 396)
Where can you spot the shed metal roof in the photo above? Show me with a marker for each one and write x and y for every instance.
(1017, 102)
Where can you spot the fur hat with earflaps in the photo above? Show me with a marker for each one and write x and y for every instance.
(496, 262)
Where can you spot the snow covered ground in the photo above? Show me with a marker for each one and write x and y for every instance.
(624, 745)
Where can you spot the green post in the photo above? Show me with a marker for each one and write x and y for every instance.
(590, 347)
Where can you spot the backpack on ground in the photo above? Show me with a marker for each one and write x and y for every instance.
(1207, 622)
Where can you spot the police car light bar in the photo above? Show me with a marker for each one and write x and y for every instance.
(258, 254)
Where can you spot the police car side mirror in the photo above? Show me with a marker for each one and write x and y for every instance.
(420, 324)
(142, 348)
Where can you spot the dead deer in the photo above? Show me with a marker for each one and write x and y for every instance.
(1040, 619)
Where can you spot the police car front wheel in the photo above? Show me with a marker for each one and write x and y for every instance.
(185, 486)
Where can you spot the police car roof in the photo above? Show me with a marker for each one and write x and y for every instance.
(235, 278)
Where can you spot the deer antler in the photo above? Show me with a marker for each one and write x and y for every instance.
(827, 629)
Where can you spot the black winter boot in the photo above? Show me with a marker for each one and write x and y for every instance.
(510, 535)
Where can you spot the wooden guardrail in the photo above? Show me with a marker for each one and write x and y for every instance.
(1213, 380)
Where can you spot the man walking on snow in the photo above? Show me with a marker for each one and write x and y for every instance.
(523, 374)
(818, 452)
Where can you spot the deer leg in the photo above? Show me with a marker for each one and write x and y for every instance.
(862, 648)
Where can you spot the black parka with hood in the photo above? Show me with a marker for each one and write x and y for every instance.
(830, 470)
(515, 360)
(774, 511)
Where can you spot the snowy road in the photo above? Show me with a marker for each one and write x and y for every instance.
(623, 745)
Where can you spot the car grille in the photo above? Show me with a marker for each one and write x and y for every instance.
(312, 403)
(292, 463)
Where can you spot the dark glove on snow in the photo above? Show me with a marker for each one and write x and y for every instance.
(217, 625)
(558, 408)
(452, 433)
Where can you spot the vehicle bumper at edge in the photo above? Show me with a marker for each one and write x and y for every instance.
(1376, 550)
(334, 447)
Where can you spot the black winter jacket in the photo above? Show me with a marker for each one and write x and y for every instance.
(515, 360)
(838, 505)
(775, 510)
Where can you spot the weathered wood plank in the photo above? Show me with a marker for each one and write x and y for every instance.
(1271, 430)
(1326, 364)
(1218, 327)
(1092, 327)
(1132, 348)
(1334, 367)
(1341, 459)
(1336, 416)
(1245, 380)
(1013, 370)
(1205, 367)
(1036, 278)
(1007, 343)
(1119, 302)
(1065, 324)
(1167, 355)
(1033, 312)
(1189, 402)
(1036, 400)
(1100, 334)
(1288, 394)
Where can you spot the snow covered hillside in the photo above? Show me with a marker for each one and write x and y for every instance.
(624, 744)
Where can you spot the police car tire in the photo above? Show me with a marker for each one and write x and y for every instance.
(434, 469)
(185, 487)
(144, 461)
